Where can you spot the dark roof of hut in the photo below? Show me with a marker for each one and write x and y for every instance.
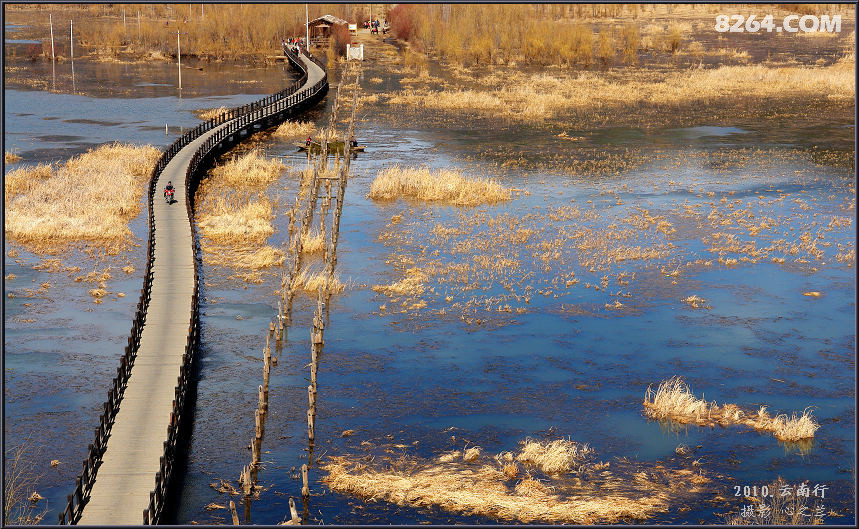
(331, 19)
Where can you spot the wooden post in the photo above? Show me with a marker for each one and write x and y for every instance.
(179, 57)
(263, 402)
(294, 519)
(305, 489)
(53, 64)
(311, 434)
(234, 513)
(51, 22)
(311, 396)
(72, 50)
(138, 25)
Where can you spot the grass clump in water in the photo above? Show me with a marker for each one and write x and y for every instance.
(310, 280)
(474, 483)
(11, 157)
(48, 210)
(554, 457)
(295, 129)
(250, 170)
(447, 186)
(210, 113)
(673, 400)
(235, 216)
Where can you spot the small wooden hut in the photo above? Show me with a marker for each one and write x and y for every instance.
(321, 29)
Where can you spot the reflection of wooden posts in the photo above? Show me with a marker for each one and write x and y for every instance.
(234, 513)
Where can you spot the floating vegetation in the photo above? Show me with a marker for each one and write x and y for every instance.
(235, 216)
(210, 113)
(310, 281)
(47, 210)
(556, 456)
(445, 185)
(295, 129)
(475, 483)
(522, 96)
(673, 400)
(11, 157)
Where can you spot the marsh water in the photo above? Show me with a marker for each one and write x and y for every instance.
(456, 371)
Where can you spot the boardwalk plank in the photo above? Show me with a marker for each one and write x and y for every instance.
(127, 473)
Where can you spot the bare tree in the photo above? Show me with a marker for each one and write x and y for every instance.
(20, 499)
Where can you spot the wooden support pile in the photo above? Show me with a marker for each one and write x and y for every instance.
(333, 194)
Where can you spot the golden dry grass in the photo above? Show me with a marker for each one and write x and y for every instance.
(73, 204)
(411, 285)
(554, 457)
(295, 129)
(208, 113)
(249, 170)
(478, 484)
(309, 281)
(23, 179)
(517, 95)
(447, 186)
(313, 243)
(674, 400)
(234, 216)
(11, 157)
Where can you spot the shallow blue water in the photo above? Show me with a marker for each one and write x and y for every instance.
(435, 382)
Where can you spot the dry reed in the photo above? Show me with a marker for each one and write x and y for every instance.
(554, 457)
(313, 242)
(516, 95)
(309, 281)
(673, 400)
(235, 216)
(11, 157)
(447, 186)
(73, 205)
(250, 170)
(209, 113)
(24, 179)
(295, 129)
(477, 484)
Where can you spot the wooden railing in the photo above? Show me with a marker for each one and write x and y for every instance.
(275, 106)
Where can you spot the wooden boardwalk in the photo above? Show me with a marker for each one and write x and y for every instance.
(126, 476)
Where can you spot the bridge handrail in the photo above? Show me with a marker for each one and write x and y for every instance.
(288, 98)
(238, 118)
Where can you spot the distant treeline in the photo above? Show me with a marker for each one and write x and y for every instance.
(507, 33)
(216, 31)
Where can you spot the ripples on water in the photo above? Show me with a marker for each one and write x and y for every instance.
(566, 367)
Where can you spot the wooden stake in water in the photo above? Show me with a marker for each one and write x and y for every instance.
(53, 65)
(305, 489)
(234, 513)
(72, 50)
(138, 25)
(179, 57)
(124, 26)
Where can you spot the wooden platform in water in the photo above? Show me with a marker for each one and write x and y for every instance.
(333, 147)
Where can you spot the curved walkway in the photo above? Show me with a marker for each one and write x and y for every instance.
(126, 476)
